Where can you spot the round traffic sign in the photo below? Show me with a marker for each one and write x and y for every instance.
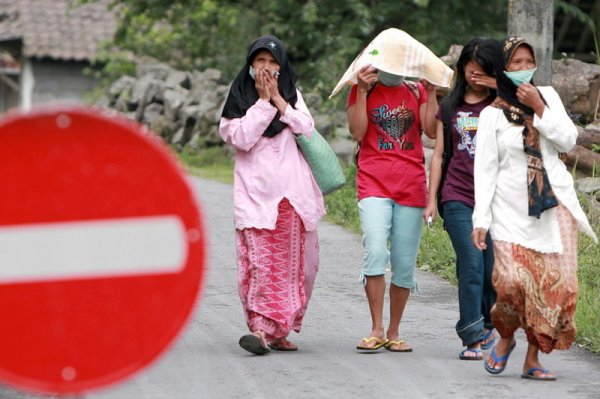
(101, 249)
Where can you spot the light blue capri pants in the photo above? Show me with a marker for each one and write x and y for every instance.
(383, 220)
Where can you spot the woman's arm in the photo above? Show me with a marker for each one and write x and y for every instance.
(435, 173)
(485, 171)
(357, 112)
(554, 123)
(242, 133)
(298, 118)
(429, 110)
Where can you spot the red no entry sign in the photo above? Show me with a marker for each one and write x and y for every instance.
(101, 250)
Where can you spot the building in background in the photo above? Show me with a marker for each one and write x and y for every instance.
(45, 45)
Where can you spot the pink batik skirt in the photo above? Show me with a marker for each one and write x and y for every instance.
(276, 273)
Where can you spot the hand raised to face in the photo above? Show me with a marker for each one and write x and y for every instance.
(481, 79)
(271, 82)
(367, 77)
(263, 83)
(529, 95)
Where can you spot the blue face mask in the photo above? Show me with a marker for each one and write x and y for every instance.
(389, 79)
(520, 77)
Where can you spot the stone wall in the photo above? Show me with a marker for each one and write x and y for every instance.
(184, 107)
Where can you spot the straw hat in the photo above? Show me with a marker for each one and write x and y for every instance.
(395, 51)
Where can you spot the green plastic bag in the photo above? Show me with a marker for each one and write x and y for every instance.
(323, 162)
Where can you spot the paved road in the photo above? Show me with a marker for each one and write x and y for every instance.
(206, 362)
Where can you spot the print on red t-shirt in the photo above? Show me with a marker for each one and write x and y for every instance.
(390, 164)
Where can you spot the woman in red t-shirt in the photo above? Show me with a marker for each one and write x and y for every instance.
(386, 115)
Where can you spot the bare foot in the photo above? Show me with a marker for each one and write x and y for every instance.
(375, 340)
(396, 344)
(497, 359)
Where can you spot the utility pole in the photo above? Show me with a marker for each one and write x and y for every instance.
(534, 21)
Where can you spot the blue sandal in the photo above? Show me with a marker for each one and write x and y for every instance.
(497, 359)
(530, 374)
(488, 340)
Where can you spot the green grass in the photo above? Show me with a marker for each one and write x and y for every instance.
(213, 163)
(587, 316)
(435, 254)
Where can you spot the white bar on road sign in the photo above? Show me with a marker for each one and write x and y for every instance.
(92, 249)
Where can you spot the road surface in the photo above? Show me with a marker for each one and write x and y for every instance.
(206, 361)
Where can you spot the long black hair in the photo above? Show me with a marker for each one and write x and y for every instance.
(481, 50)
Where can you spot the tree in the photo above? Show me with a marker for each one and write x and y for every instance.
(534, 21)
(322, 36)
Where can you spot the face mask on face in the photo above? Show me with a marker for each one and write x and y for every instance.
(520, 77)
(389, 79)
(252, 73)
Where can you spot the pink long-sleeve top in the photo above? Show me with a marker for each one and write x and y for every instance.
(269, 169)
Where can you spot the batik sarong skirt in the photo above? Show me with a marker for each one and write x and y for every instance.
(276, 273)
(538, 291)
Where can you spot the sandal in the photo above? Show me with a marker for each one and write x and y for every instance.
(495, 358)
(402, 345)
(488, 339)
(530, 374)
(282, 345)
(253, 343)
(478, 354)
(364, 344)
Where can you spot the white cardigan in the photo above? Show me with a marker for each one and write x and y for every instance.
(501, 203)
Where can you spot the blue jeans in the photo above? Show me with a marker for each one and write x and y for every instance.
(382, 221)
(476, 294)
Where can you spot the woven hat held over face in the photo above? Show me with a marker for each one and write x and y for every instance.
(395, 51)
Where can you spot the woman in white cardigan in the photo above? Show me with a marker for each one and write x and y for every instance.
(524, 195)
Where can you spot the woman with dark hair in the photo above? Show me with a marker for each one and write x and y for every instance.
(277, 203)
(451, 183)
(524, 196)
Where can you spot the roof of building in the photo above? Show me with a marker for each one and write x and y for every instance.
(57, 29)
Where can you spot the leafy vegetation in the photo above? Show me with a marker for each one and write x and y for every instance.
(575, 12)
(322, 39)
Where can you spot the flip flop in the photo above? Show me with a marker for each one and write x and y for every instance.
(398, 342)
(252, 344)
(497, 359)
(282, 347)
(365, 341)
(530, 374)
(478, 356)
(488, 340)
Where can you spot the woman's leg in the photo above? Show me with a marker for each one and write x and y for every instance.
(489, 294)
(405, 238)
(533, 368)
(375, 216)
(469, 272)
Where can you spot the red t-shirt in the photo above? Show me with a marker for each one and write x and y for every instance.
(390, 161)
